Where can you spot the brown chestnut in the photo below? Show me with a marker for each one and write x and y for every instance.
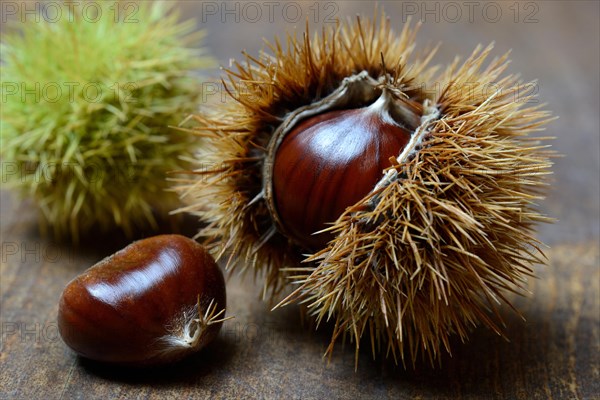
(329, 162)
(156, 301)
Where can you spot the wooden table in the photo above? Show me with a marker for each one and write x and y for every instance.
(263, 354)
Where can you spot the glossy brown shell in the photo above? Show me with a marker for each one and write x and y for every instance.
(328, 163)
(120, 309)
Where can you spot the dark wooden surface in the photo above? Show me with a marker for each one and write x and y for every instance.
(262, 354)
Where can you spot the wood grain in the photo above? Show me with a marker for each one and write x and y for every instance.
(553, 354)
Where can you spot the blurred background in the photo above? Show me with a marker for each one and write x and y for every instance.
(554, 354)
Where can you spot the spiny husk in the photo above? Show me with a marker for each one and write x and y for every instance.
(97, 159)
(235, 134)
(432, 251)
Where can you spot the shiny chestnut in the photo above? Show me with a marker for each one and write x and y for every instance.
(324, 160)
(328, 163)
(156, 301)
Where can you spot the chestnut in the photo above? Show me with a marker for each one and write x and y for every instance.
(328, 162)
(325, 158)
(153, 302)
